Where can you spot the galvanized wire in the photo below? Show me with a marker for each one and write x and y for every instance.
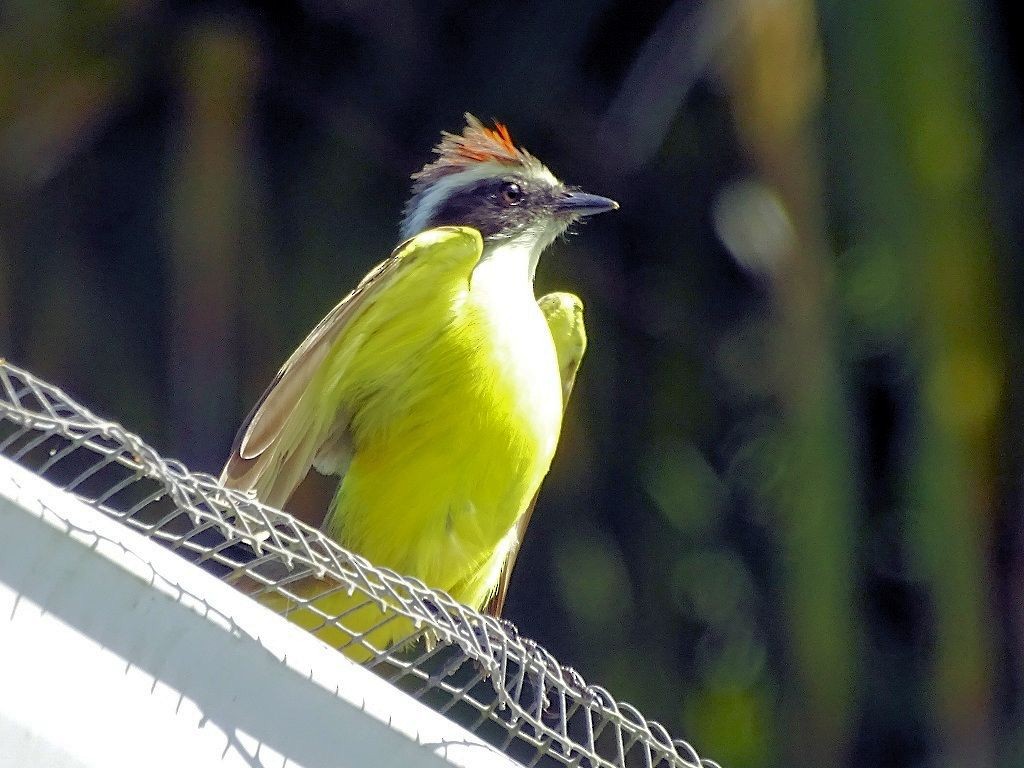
(475, 669)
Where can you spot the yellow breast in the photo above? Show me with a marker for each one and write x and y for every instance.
(453, 439)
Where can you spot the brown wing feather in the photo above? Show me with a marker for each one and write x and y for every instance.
(257, 461)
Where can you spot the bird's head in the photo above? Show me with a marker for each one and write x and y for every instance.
(481, 179)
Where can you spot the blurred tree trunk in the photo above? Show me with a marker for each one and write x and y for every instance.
(774, 76)
(6, 263)
(211, 192)
(56, 93)
(908, 95)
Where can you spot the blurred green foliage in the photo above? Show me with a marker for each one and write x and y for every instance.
(785, 517)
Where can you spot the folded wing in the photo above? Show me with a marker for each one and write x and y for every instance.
(288, 432)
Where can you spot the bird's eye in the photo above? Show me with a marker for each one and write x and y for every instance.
(511, 193)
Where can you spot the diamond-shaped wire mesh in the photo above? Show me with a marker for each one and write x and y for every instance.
(473, 668)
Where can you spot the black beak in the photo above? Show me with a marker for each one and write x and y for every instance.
(583, 204)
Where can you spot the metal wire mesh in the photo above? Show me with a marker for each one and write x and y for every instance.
(473, 668)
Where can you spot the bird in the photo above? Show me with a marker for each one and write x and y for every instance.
(434, 391)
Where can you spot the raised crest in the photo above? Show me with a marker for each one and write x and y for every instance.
(477, 143)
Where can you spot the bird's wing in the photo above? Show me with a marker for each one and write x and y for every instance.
(564, 313)
(287, 433)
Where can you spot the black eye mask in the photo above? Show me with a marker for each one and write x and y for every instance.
(499, 207)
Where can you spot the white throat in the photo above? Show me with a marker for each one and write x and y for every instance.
(517, 257)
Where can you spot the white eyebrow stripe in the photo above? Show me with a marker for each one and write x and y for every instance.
(429, 202)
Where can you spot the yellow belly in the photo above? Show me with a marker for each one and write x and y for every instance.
(451, 439)
(435, 486)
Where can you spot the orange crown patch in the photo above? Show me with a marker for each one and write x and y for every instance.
(477, 144)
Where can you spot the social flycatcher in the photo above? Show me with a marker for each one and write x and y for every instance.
(434, 390)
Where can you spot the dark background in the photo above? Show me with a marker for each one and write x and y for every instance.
(785, 517)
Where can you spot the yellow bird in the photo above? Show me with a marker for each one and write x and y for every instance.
(434, 390)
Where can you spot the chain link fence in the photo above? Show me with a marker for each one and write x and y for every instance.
(477, 670)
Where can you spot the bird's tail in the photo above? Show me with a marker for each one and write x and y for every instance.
(370, 626)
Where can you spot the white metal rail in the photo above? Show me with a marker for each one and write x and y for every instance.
(117, 652)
